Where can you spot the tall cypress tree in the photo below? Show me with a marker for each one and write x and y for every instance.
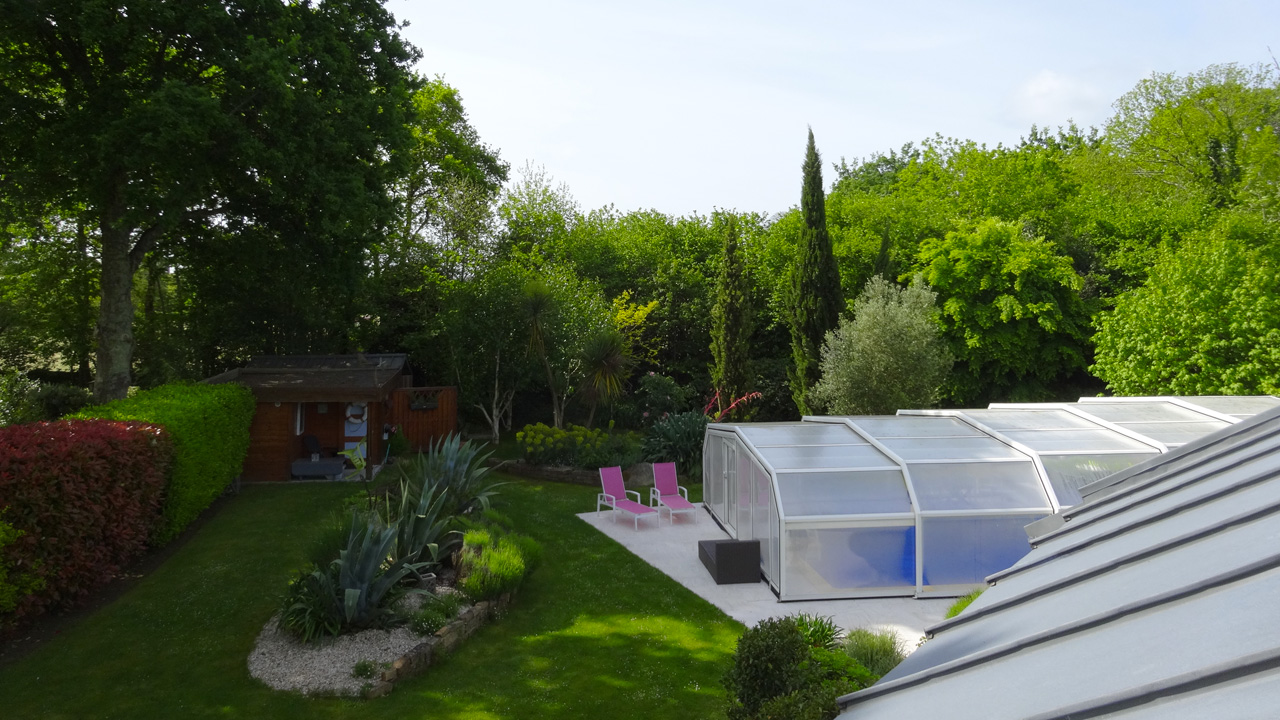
(815, 284)
(731, 319)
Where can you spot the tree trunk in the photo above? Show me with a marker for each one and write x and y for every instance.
(115, 317)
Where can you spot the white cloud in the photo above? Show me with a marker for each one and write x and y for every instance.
(1051, 99)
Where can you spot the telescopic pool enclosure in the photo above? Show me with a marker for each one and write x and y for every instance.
(929, 502)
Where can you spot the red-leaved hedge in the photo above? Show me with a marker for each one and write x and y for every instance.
(86, 496)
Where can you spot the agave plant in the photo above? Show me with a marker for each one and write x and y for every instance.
(362, 579)
(353, 591)
(457, 469)
(424, 526)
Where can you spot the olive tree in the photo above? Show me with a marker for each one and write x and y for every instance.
(891, 355)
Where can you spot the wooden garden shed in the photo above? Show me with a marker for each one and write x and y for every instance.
(332, 403)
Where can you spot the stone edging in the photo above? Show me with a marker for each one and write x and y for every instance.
(444, 641)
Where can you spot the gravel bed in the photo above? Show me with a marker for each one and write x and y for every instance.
(324, 668)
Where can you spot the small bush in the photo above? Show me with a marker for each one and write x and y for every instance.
(14, 585)
(819, 631)
(18, 403)
(678, 438)
(57, 400)
(209, 425)
(492, 564)
(83, 499)
(769, 663)
(364, 669)
(963, 602)
(545, 445)
(622, 449)
(659, 396)
(878, 650)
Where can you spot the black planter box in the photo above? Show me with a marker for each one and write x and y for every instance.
(731, 561)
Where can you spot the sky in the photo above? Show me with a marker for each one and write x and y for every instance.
(691, 106)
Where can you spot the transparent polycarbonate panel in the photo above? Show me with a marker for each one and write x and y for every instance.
(977, 486)
(1246, 406)
(761, 489)
(965, 550)
(1177, 433)
(951, 448)
(1132, 412)
(775, 543)
(835, 561)
(1069, 473)
(744, 491)
(884, 426)
(1097, 440)
(1003, 419)
(824, 456)
(843, 493)
(799, 434)
(730, 516)
(713, 472)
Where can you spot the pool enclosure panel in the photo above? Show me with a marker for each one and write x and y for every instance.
(840, 512)
(929, 502)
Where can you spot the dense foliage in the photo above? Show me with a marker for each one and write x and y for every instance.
(209, 425)
(542, 311)
(82, 499)
(1206, 322)
(889, 356)
(254, 136)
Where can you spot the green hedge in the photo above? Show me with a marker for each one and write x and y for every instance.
(209, 425)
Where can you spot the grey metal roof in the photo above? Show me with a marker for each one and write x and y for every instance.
(1154, 597)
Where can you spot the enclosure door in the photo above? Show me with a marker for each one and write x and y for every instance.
(713, 473)
(730, 515)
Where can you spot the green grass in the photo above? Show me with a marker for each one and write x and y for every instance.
(963, 602)
(595, 632)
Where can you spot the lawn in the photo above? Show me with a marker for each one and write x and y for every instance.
(595, 632)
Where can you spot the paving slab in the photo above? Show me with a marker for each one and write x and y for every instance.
(673, 549)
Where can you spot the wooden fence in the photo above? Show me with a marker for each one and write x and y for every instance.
(424, 413)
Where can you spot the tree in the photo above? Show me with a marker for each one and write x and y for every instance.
(731, 319)
(891, 355)
(815, 288)
(165, 124)
(1207, 321)
(606, 365)
(487, 340)
(1011, 311)
(563, 313)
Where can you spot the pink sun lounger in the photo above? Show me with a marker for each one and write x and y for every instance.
(616, 496)
(667, 493)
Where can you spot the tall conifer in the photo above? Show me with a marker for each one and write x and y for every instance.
(815, 283)
(731, 319)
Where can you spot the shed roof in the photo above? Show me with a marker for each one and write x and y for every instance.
(1154, 597)
(362, 377)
